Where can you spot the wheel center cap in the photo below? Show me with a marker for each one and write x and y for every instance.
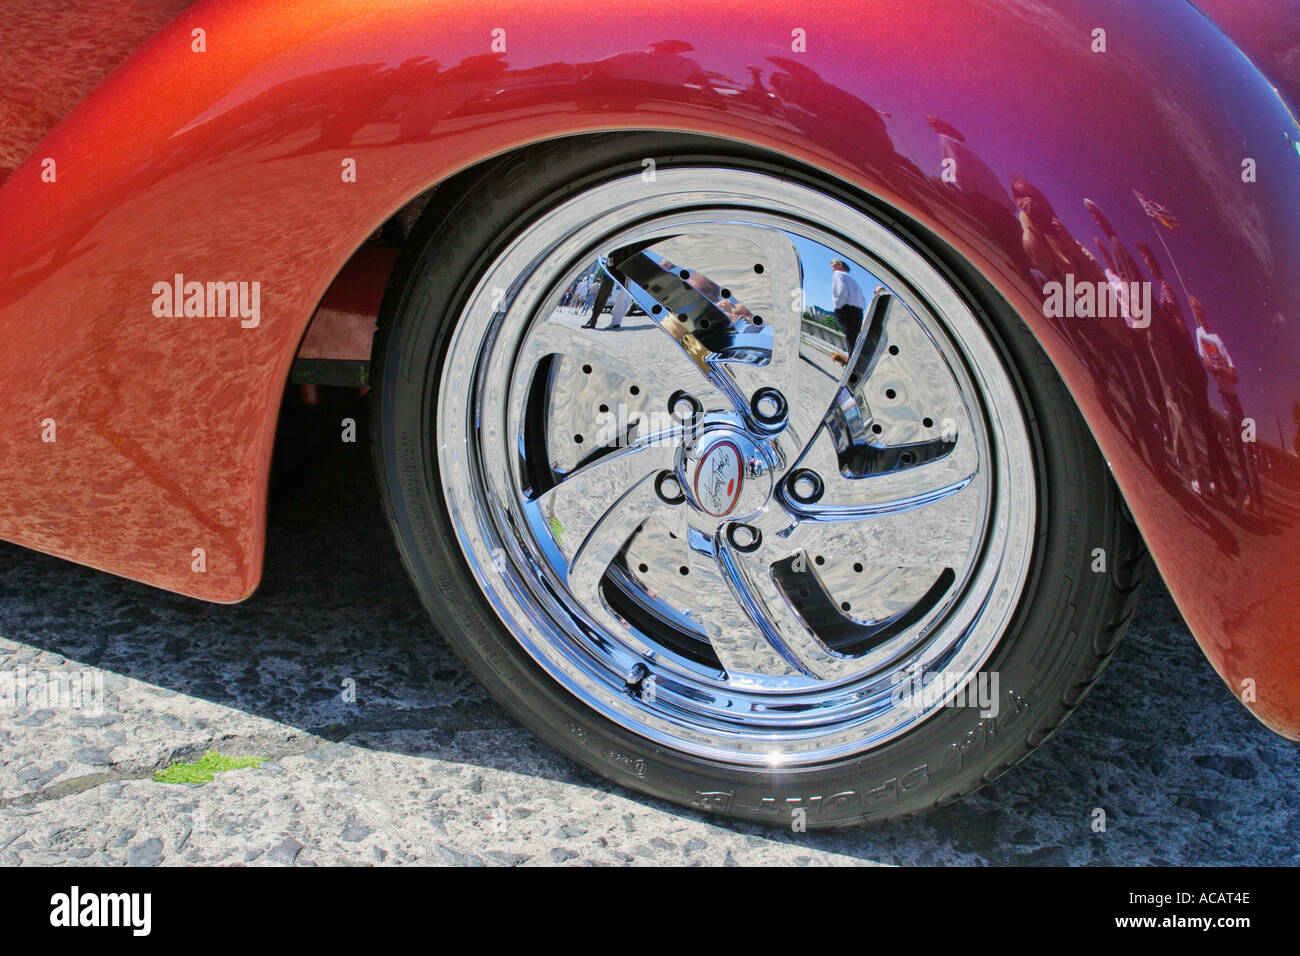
(726, 474)
(719, 476)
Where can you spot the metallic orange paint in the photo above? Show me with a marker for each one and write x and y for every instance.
(225, 166)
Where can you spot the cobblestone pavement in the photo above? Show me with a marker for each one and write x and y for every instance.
(425, 768)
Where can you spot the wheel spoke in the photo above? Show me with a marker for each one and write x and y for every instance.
(596, 508)
(811, 390)
(742, 322)
(690, 318)
(928, 537)
(636, 353)
(607, 538)
(762, 271)
(771, 615)
(741, 645)
(909, 477)
(841, 412)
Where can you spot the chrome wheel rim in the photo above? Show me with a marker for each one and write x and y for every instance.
(701, 523)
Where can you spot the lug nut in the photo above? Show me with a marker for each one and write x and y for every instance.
(744, 538)
(669, 488)
(684, 407)
(768, 406)
(805, 486)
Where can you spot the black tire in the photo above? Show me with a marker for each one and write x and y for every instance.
(1065, 629)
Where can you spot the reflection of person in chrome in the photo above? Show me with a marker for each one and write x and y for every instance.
(600, 295)
(578, 300)
(622, 302)
(847, 301)
(618, 310)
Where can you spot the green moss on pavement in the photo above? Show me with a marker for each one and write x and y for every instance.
(205, 768)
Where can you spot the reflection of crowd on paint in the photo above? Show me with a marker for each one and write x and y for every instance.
(1157, 373)
(1164, 373)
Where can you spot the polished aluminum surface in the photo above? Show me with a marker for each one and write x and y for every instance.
(709, 515)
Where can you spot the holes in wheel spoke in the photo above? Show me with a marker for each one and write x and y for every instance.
(640, 599)
(873, 424)
(695, 301)
(826, 614)
(580, 409)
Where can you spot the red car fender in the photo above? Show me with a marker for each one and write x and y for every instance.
(139, 442)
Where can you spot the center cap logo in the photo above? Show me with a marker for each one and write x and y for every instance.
(718, 478)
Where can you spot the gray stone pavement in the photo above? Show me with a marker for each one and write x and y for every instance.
(425, 768)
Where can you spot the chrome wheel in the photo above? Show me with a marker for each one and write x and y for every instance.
(711, 516)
